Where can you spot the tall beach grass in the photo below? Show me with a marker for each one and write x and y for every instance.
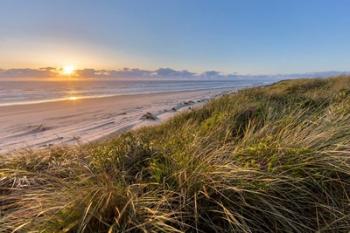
(265, 159)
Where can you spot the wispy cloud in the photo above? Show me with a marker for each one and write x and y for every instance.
(28, 73)
(49, 72)
(166, 73)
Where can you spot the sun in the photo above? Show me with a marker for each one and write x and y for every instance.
(68, 70)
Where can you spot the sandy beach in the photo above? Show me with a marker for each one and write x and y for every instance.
(38, 126)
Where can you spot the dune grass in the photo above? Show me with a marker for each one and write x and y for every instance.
(266, 159)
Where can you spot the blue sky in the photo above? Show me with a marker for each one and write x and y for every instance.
(244, 36)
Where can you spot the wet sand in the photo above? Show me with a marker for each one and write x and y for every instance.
(38, 126)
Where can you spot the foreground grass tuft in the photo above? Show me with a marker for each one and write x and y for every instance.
(266, 159)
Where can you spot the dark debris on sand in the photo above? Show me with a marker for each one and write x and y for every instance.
(149, 116)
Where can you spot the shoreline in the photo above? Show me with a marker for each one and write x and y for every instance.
(87, 98)
(81, 121)
(73, 98)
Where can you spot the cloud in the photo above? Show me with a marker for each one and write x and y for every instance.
(28, 73)
(164, 73)
(122, 73)
(91, 73)
(94, 73)
(131, 73)
(170, 73)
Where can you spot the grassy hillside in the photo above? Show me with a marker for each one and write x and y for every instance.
(269, 159)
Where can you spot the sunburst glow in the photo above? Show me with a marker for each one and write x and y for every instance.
(72, 98)
(68, 70)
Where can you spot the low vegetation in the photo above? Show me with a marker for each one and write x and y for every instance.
(265, 159)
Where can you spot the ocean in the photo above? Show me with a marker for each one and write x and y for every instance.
(30, 91)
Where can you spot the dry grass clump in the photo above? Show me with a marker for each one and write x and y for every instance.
(267, 159)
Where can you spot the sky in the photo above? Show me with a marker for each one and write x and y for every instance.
(243, 36)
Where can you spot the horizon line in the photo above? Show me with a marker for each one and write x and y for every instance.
(57, 69)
